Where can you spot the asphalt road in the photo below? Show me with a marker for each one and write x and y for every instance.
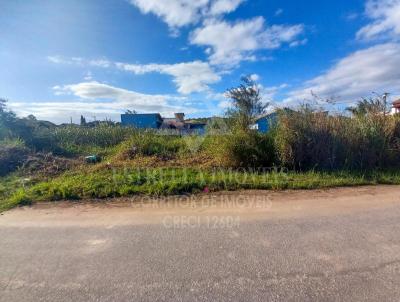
(336, 245)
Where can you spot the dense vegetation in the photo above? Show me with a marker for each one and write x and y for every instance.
(306, 148)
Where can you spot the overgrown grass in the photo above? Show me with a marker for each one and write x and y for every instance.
(84, 140)
(241, 149)
(308, 139)
(150, 143)
(122, 182)
(331, 150)
(9, 196)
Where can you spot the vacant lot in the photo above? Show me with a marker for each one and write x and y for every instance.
(304, 148)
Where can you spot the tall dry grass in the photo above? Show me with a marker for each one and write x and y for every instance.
(308, 139)
(101, 136)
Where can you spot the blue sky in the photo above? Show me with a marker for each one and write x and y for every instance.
(61, 59)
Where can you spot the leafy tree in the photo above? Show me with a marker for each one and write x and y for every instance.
(3, 104)
(36, 134)
(7, 120)
(246, 104)
(4, 113)
(31, 117)
(83, 120)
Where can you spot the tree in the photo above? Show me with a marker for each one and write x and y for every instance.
(7, 120)
(246, 104)
(83, 120)
(31, 117)
(3, 105)
(6, 116)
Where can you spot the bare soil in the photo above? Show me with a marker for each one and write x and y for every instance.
(249, 205)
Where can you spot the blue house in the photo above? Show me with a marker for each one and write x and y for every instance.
(264, 123)
(155, 121)
(142, 121)
(199, 128)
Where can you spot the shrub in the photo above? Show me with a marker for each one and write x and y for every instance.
(12, 155)
(242, 149)
(37, 135)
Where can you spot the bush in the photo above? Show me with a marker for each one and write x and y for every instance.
(12, 155)
(242, 149)
(37, 135)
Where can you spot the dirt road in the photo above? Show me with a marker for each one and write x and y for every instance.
(338, 244)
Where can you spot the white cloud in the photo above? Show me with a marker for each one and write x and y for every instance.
(189, 77)
(55, 59)
(63, 60)
(298, 43)
(375, 69)
(79, 61)
(126, 98)
(220, 7)
(268, 93)
(100, 100)
(386, 19)
(178, 13)
(225, 104)
(175, 13)
(230, 43)
(100, 63)
(351, 16)
(62, 112)
(254, 77)
(278, 12)
(88, 76)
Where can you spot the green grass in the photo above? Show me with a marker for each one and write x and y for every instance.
(169, 181)
(12, 192)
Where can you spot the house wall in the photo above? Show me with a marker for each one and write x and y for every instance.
(265, 123)
(141, 121)
(198, 129)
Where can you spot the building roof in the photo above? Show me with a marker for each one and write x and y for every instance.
(268, 114)
(396, 103)
(143, 114)
(172, 124)
(272, 113)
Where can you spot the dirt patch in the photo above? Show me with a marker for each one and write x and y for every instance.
(47, 164)
(248, 205)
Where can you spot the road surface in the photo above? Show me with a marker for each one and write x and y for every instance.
(331, 245)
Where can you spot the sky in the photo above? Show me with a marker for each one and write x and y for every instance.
(98, 58)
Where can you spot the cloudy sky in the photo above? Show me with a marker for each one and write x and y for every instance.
(60, 59)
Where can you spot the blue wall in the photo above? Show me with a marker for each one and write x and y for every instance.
(142, 121)
(265, 123)
(198, 129)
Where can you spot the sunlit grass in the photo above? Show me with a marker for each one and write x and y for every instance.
(121, 183)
